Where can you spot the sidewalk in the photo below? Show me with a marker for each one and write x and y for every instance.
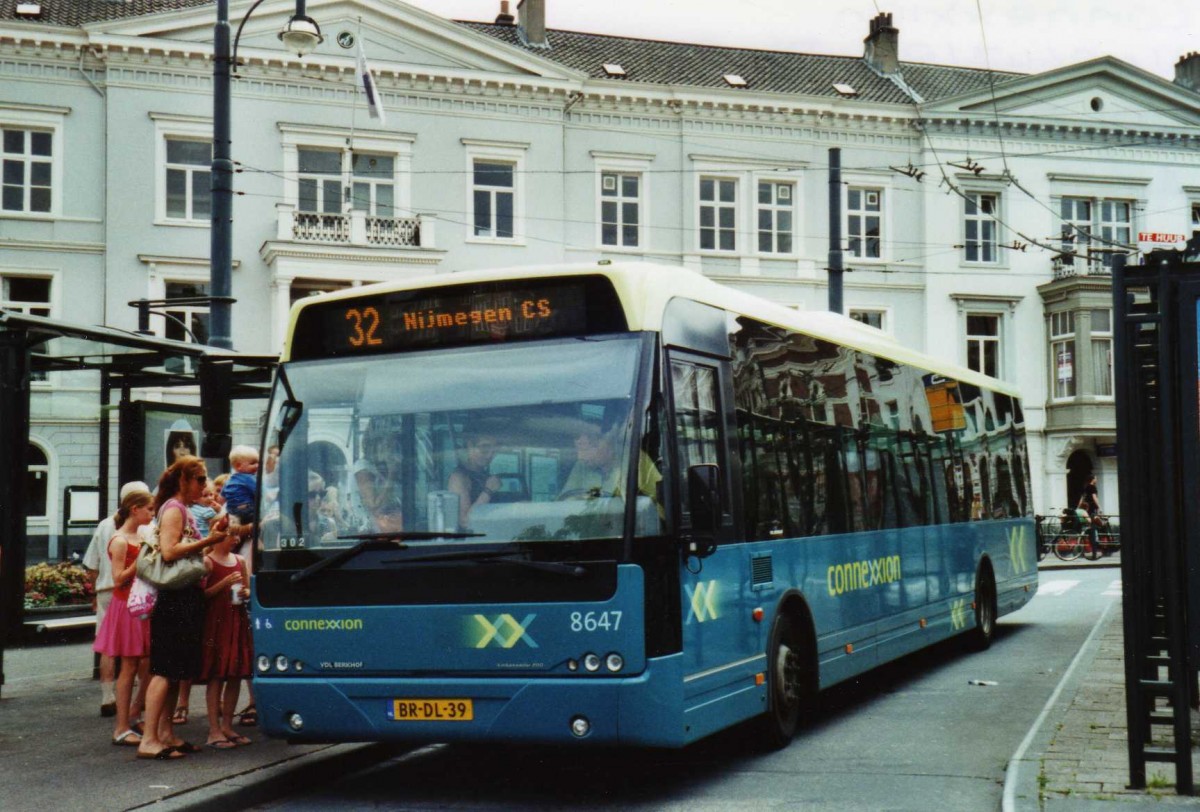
(1079, 761)
(55, 755)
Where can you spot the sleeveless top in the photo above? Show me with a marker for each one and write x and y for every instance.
(121, 591)
(476, 481)
(190, 530)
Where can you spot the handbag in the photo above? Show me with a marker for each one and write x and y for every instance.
(169, 575)
(142, 598)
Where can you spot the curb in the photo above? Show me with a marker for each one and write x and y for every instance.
(1025, 786)
(274, 781)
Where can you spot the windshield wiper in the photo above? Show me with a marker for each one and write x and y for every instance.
(496, 557)
(366, 540)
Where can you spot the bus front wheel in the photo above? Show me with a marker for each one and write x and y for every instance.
(791, 681)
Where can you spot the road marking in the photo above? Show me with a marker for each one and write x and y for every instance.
(1057, 587)
(1114, 589)
(1008, 803)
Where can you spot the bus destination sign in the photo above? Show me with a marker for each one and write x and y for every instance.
(456, 315)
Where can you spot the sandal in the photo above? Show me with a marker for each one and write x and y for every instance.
(180, 717)
(240, 740)
(248, 717)
(165, 754)
(138, 728)
(221, 744)
(187, 747)
(124, 739)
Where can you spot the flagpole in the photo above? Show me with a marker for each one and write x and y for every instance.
(353, 117)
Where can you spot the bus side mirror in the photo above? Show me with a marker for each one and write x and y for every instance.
(704, 506)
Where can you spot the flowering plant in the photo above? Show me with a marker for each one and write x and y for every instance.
(63, 584)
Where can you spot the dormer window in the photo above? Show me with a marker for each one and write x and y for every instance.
(733, 80)
(844, 89)
(613, 69)
(29, 9)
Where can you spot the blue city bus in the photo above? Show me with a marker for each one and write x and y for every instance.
(614, 504)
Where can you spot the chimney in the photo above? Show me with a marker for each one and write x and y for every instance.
(531, 22)
(1187, 71)
(504, 18)
(881, 48)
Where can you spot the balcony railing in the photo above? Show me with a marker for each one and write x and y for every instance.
(354, 228)
(1064, 267)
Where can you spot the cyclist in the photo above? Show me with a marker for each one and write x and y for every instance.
(1089, 502)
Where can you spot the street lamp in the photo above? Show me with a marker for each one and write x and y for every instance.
(301, 35)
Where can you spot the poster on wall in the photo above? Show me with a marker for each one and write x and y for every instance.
(154, 435)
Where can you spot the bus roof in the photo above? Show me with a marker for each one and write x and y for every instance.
(645, 289)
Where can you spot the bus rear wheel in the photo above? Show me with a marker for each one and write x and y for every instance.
(791, 682)
(985, 609)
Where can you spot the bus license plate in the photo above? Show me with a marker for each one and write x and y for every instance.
(432, 710)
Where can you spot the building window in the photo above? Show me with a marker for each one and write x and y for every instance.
(29, 295)
(983, 343)
(1090, 227)
(1116, 226)
(189, 179)
(775, 221)
(620, 208)
(303, 288)
(193, 317)
(1076, 215)
(871, 318)
(27, 170)
(374, 184)
(1196, 219)
(981, 232)
(1062, 353)
(718, 214)
(864, 222)
(1102, 376)
(37, 485)
(320, 181)
(494, 198)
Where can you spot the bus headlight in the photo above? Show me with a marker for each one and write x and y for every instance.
(591, 662)
(295, 722)
(264, 663)
(614, 662)
(281, 662)
(580, 726)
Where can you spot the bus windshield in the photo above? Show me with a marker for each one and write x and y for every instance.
(527, 442)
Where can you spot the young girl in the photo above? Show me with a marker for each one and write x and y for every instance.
(227, 647)
(121, 634)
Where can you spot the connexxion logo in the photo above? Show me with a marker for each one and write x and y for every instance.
(504, 631)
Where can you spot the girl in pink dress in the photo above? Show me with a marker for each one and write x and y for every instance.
(227, 649)
(121, 634)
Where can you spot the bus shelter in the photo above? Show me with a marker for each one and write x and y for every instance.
(66, 368)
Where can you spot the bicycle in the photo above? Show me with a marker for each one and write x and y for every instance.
(1074, 539)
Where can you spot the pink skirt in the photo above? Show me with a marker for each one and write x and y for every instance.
(121, 634)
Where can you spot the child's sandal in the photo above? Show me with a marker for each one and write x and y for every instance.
(248, 717)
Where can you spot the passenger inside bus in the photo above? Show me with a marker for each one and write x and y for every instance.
(596, 472)
(376, 476)
(472, 479)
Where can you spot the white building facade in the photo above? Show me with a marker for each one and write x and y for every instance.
(981, 211)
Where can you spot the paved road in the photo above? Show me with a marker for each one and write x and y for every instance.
(914, 735)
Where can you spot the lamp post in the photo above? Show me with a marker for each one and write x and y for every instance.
(301, 35)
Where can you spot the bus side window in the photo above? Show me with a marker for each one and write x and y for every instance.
(697, 419)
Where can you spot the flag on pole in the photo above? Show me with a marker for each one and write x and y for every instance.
(374, 103)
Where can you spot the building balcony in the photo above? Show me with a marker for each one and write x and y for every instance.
(1064, 267)
(355, 228)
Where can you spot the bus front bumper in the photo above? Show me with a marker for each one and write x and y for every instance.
(644, 709)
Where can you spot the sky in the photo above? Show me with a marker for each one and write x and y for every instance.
(1021, 35)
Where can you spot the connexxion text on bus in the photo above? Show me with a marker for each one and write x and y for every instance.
(614, 504)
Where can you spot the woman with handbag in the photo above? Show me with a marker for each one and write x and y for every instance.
(177, 625)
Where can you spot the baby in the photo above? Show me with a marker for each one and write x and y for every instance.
(240, 491)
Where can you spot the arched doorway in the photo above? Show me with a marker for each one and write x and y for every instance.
(1079, 471)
